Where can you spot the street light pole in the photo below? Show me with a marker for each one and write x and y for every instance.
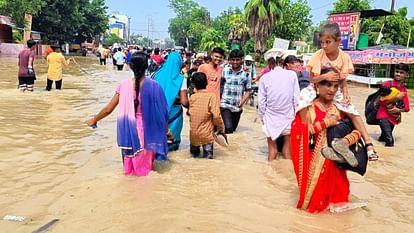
(129, 30)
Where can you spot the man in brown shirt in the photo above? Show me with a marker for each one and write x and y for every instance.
(204, 117)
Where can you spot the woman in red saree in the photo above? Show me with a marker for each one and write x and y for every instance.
(321, 184)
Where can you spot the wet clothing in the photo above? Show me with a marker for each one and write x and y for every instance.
(204, 117)
(26, 79)
(320, 182)
(278, 95)
(171, 82)
(387, 121)
(141, 133)
(55, 62)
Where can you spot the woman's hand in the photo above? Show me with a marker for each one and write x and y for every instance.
(91, 121)
(331, 76)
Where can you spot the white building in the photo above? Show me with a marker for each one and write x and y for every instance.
(119, 25)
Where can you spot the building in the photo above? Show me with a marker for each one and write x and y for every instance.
(119, 25)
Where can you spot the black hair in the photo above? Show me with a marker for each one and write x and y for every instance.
(30, 43)
(218, 50)
(139, 63)
(402, 66)
(199, 79)
(236, 53)
(157, 51)
(331, 30)
(207, 58)
(271, 60)
(291, 59)
(278, 61)
(198, 62)
(325, 70)
(119, 49)
(384, 91)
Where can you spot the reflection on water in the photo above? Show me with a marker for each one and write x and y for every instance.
(54, 166)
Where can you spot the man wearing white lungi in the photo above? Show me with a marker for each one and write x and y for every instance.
(278, 96)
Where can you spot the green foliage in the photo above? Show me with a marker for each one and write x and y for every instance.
(113, 38)
(17, 36)
(16, 9)
(191, 21)
(210, 39)
(297, 24)
(262, 16)
(395, 31)
(64, 20)
(350, 5)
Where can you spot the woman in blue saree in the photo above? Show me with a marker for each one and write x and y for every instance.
(174, 86)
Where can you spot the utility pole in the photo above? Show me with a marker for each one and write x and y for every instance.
(392, 5)
(129, 30)
(148, 32)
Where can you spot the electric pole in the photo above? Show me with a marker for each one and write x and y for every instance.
(392, 5)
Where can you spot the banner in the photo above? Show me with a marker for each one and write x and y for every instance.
(281, 44)
(349, 26)
(376, 56)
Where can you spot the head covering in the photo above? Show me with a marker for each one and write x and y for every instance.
(169, 77)
(248, 58)
(199, 56)
(273, 52)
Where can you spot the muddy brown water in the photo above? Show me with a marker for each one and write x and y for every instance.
(52, 166)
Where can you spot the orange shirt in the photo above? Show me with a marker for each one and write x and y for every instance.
(342, 63)
(213, 78)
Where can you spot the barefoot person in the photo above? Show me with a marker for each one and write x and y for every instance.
(322, 185)
(142, 119)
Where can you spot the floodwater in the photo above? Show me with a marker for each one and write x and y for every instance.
(52, 166)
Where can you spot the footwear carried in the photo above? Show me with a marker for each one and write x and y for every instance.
(343, 149)
(221, 139)
(330, 154)
(372, 155)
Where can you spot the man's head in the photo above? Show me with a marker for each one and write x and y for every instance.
(31, 44)
(236, 58)
(197, 63)
(401, 72)
(55, 47)
(290, 62)
(217, 56)
(248, 60)
(199, 80)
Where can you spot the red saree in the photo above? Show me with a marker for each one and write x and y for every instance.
(320, 182)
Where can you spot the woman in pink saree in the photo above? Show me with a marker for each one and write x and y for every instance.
(142, 119)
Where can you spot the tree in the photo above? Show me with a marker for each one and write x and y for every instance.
(262, 16)
(64, 20)
(238, 29)
(16, 9)
(95, 20)
(296, 25)
(395, 31)
(350, 5)
(113, 38)
(211, 39)
(191, 20)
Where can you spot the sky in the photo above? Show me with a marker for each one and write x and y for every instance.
(150, 17)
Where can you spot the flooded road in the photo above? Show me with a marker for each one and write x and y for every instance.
(52, 166)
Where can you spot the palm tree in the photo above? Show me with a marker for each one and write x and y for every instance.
(262, 16)
(238, 29)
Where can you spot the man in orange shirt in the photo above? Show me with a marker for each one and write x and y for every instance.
(213, 71)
